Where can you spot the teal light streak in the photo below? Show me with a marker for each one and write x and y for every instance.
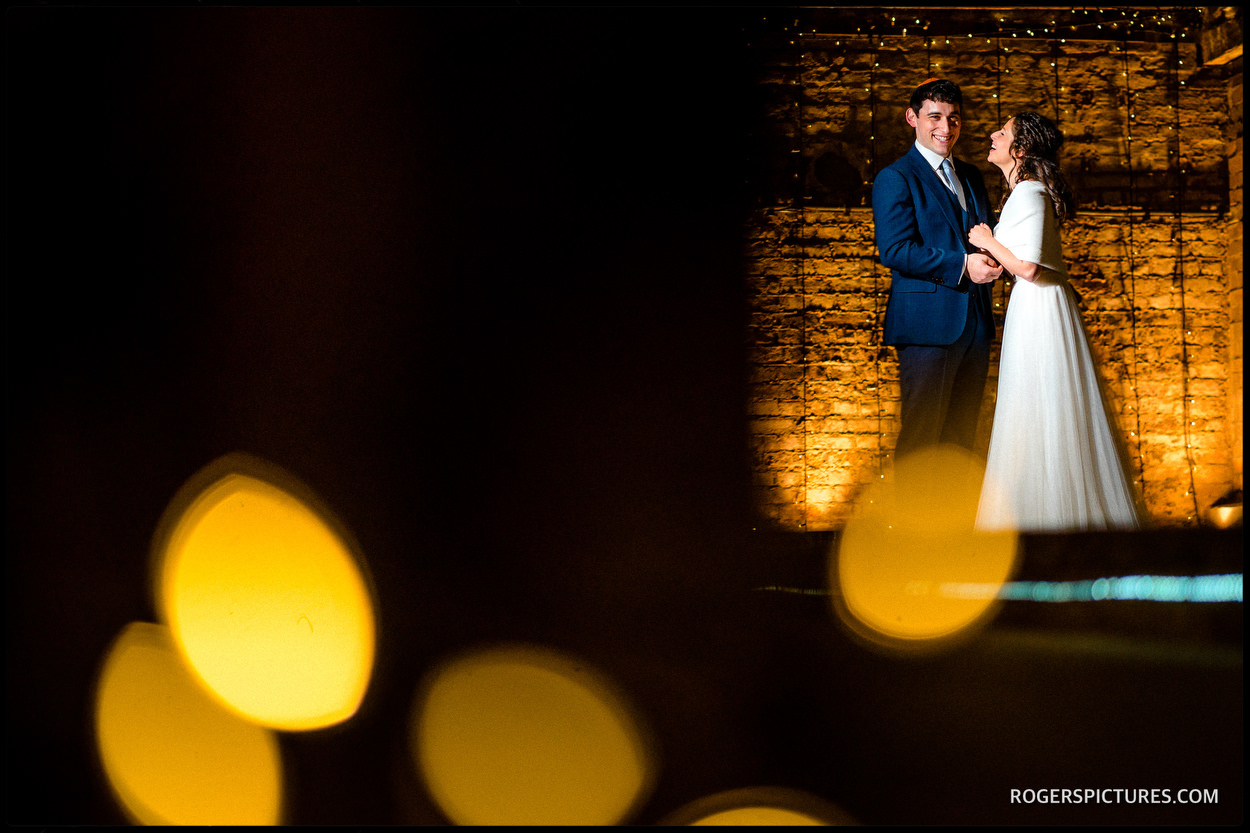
(1201, 589)
(1217, 588)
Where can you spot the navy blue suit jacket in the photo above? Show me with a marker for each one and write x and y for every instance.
(922, 239)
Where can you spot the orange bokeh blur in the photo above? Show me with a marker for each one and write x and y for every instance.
(170, 753)
(519, 734)
(900, 571)
(266, 597)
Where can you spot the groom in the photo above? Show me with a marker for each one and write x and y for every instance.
(939, 315)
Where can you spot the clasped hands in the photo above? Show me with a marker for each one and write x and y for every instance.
(982, 268)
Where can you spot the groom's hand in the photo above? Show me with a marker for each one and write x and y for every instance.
(983, 268)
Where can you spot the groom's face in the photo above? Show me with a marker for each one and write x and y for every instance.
(937, 125)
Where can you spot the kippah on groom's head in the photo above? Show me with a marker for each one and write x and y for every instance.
(936, 89)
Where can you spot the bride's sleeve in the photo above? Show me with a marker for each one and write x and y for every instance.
(1028, 229)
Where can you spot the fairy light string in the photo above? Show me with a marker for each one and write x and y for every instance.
(1131, 283)
(1054, 63)
(998, 81)
(1001, 288)
(878, 330)
(800, 196)
(1078, 25)
(1178, 281)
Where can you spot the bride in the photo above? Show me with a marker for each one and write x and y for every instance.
(1055, 462)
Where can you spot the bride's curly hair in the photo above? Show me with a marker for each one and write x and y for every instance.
(1039, 139)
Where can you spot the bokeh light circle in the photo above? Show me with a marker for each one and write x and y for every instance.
(266, 597)
(764, 806)
(521, 734)
(910, 571)
(172, 755)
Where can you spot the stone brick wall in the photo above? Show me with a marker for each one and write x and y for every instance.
(1233, 271)
(1153, 151)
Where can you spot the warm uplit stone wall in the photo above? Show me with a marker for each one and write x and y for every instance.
(825, 391)
(1154, 153)
(1233, 273)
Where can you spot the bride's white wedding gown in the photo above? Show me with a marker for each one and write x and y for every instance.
(1054, 462)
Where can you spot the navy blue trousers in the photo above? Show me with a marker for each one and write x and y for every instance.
(942, 386)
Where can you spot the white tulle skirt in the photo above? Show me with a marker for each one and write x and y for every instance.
(1054, 461)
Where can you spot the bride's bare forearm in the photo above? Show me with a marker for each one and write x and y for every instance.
(1022, 269)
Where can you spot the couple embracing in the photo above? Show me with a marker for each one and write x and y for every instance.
(1055, 462)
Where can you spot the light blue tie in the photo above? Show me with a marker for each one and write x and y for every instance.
(948, 174)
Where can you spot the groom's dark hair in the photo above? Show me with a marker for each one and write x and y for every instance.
(936, 89)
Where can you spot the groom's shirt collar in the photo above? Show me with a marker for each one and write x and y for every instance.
(934, 160)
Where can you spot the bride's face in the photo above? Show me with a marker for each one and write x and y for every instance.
(1000, 146)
